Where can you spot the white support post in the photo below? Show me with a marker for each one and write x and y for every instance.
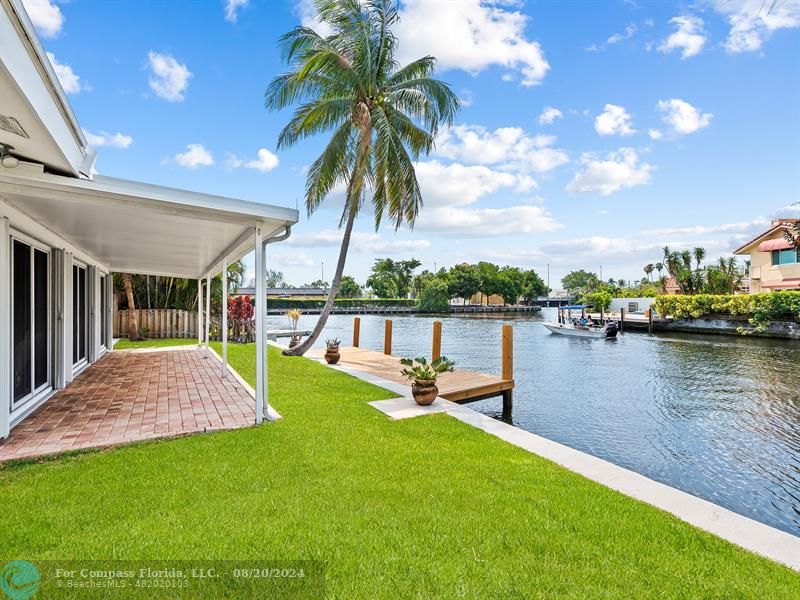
(199, 312)
(261, 346)
(5, 327)
(224, 318)
(208, 310)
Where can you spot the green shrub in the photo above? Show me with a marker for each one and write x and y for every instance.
(762, 308)
(310, 303)
(434, 297)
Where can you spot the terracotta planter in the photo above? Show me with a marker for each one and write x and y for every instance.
(332, 356)
(424, 391)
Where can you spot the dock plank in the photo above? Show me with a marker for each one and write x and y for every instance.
(459, 386)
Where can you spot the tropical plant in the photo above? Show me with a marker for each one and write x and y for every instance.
(463, 282)
(793, 237)
(434, 297)
(580, 282)
(383, 118)
(600, 299)
(420, 369)
(293, 314)
(133, 321)
(648, 269)
(699, 254)
(762, 308)
(349, 288)
(333, 343)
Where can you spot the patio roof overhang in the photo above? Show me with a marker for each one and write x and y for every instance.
(136, 227)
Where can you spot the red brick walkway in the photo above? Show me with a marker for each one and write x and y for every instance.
(128, 396)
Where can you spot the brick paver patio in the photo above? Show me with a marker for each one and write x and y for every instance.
(129, 396)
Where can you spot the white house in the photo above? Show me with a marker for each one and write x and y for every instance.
(63, 230)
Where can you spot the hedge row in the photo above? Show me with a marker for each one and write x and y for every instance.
(306, 303)
(762, 308)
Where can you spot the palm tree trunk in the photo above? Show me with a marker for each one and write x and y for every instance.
(133, 322)
(303, 347)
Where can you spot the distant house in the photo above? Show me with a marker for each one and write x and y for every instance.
(671, 287)
(306, 293)
(774, 262)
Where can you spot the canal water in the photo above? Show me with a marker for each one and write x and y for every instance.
(715, 416)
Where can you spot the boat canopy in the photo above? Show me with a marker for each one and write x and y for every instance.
(575, 307)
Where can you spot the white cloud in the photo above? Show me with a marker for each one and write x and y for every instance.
(509, 147)
(792, 210)
(620, 169)
(232, 7)
(362, 242)
(630, 30)
(456, 221)
(45, 16)
(549, 114)
(69, 80)
(682, 117)
(614, 120)
(169, 78)
(265, 161)
(457, 184)
(752, 22)
(107, 140)
(655, 134)
(294, 259)
(689, 36)
(708, 229)
(471, 35)
(195, 156)
(466, 97)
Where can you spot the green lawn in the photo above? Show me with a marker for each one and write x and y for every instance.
(424, 507)
(125, 344)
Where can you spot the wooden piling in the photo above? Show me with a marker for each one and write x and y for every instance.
(508, 369)
(650, 321)
(621, 318)
(436, 351)
(356, 331)
(387, 337)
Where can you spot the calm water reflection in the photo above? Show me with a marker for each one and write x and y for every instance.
(716, 416)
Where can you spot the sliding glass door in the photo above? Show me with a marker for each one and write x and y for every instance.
(80, 313)
(30, 320)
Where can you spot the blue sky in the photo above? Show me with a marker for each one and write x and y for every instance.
(669, 123)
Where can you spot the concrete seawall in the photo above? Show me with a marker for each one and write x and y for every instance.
(728, 325)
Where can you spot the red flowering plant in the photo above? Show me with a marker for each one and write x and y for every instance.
(240, 314)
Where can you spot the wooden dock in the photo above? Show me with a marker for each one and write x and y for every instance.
(460, 386)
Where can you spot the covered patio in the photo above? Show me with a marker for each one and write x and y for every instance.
(133, 395)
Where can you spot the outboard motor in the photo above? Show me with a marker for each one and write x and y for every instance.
(612, 329)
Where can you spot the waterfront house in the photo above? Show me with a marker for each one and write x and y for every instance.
(64, 230)
(774, 262)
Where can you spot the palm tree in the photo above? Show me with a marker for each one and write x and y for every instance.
(659, 267)
(382, 117)
(699, 254)
(133, 321)
(648, 269)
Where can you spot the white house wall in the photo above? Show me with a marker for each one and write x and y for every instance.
(62, 255)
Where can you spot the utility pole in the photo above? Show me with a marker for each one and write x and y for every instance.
(601, 272)
(548, 280)
(323, 271)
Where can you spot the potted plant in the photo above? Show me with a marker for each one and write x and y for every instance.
(294, 317)
(332, 351)
(424, 375)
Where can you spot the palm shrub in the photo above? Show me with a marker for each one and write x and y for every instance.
(381, 117)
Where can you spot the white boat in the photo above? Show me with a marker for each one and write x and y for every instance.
(582, 328)
(607, 331)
